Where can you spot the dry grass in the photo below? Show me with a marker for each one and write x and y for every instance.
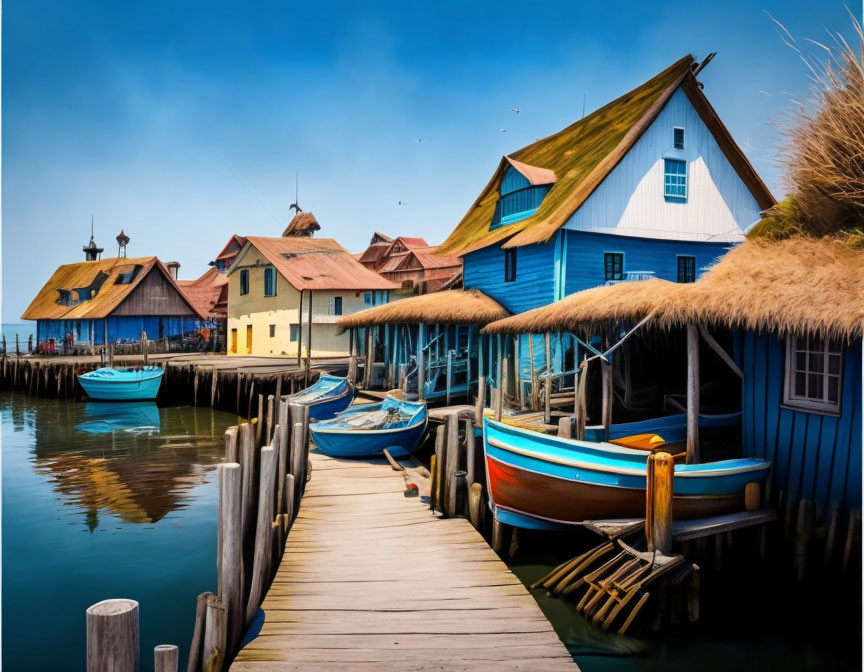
(453, 306)
(795, 285)
(823, 151)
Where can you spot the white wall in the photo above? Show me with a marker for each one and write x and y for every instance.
(630, 201)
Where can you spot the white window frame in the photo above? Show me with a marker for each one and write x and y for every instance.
(806, 403)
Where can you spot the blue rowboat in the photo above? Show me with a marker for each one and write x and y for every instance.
(366, 430)
(327, 397)
(538, 481)
(122, 384)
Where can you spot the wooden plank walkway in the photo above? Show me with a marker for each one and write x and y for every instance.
(372, 580)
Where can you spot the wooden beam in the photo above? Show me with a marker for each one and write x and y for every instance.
(421, 361)
(716, 347)
(692, 394)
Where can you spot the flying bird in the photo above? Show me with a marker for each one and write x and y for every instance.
(402, 203)
(503, 130)
(515, 110)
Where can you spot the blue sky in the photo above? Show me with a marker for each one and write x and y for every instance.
(183, 123)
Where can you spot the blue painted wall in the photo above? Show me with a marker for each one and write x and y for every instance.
(816, 457)
(535, 276)
(584, 254)
(120, 328)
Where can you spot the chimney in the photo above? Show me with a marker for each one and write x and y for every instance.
(173, 268)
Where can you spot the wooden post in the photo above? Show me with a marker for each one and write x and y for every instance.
(547, 388)
(308, 344)
(608, 392)
(581, 401)
(280, 444)
(449, 375)
(268, 434)
(505, 382)
(692, 394)
(214, 385)
(475, 501)
(751, 496)
(231, 550)
(259, 428)
(421, 362)
(215, 635)
(452, 462)
(658, 503)
(145, 351)
(248, 478)
(370, 357)
(194, 663)
(289, 500)
(440, 459)
(517, 374)
(112, 636)
(565, 428)
(298, 455)
(300, 332)
(166, 658)
(481, 401)
(471, 466)
(403, 377)
(111, 355)
(263, 533)
(498, 532)
(231, 452)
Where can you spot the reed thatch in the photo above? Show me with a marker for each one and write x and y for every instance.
(453, 306)
(797, 285)
(582, 155)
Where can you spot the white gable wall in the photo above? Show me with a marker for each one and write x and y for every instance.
(630, 201)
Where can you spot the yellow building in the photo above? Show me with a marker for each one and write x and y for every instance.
(272, 283)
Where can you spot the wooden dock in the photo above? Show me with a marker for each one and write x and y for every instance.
(372, 580)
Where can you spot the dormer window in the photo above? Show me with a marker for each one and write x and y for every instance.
(522, 190)
(678, 137)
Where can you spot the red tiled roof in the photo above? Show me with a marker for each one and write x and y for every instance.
(206, 293)
(316, 263)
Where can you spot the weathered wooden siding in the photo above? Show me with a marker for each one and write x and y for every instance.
(584, 255)
(535, 276)
(815, 456)
(154, 295)
(630, 201)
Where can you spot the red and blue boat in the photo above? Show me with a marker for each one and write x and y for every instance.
(538, 481)
(327, 397)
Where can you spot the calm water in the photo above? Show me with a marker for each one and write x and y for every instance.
(104, 500)
(22, 331)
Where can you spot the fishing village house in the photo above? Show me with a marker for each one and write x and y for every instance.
(411, 263)
(285, 292)
(100, 301)
(649, 185)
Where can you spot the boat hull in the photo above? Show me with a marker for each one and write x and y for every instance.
(541, 482)
(328, 408)
(139, 388)
(368, 443)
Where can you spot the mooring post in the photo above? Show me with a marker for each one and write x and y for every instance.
(475, 501)
(289, 501)
(692, 394)
(194, 663)
(215, 635)
(269, 435)
(112, 636)
(166, 657)
(452, 462)
(658, 502)
(440, 459)
(481, 401)
(263, 533)
(471, 466)
(231, 452)
(547, 388)
(298, 455)
(247, 465)
(231, 550)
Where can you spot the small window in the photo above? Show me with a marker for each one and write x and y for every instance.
(613, 266)
(686, 269)
(678, 137)
(367, 299)
(244, 281)
(294, 335)
(813, 374)
(675, 181)
(510, 265)
(272, 331)
(269, 281)
(335, 305)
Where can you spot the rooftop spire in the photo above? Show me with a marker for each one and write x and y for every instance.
(92, 252)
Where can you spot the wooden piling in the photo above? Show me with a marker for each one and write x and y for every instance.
(195, 648)
(565, 427)
(440, 462)
(263, 533)
(166, 658)
(475, 501)
(269, 433)
(215, 635)
(472, 468)
(247, 463)
(112, 636)
(481, 401)
(581, 401)
(658, 504)
(231, 550)
(692, 394)
(547, 388)
(498, 533)
(288, 516)
(452, 462)
(532, 404)
(231, 451)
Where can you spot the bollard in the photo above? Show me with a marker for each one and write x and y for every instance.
(112, 636)
(658, 503)
(166, 657)
(475, 501)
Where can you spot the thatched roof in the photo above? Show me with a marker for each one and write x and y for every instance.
(453, 306)
(303, 224)
(90, 290)
(794, 285)
(581, 156)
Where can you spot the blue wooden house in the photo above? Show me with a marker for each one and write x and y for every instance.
(650, 185)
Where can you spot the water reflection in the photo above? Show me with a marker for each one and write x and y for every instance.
(130, 459)
(104, 417)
